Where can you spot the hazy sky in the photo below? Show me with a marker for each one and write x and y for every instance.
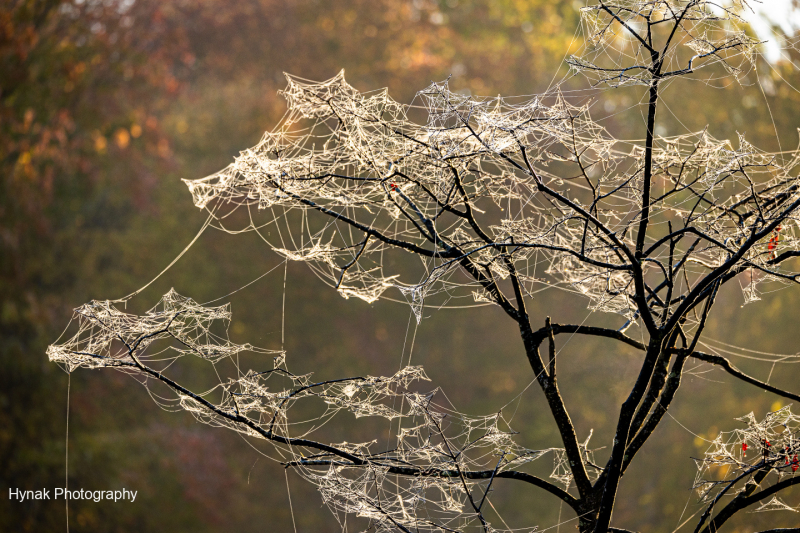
(771, 13)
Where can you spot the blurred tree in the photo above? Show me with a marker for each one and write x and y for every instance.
(77, 120)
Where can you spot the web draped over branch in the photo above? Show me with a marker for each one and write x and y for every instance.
(482, 188)
(457, 200)
(621, 47)
(107, 336)
(759, 455)
(434, 474)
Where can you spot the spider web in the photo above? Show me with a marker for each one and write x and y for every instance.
(348, 177)
(441, 459)
(768, 446)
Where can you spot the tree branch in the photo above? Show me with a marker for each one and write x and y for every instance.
(747, 498)
(733, 371)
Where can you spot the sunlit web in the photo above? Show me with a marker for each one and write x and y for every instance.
(349, 178)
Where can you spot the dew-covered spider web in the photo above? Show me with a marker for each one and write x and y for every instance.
(354, 177)
(765, 451)
(460, 201)
(441, 462)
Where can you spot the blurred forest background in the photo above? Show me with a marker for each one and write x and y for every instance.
(106, 105)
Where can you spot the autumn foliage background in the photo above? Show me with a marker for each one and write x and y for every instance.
(105, 106)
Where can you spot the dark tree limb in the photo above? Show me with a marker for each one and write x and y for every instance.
(747, 498)
(613, 469)
(351, 460)
(541, 334)
(367, 229)
(733, 371)
(658, 412)
(559, 411)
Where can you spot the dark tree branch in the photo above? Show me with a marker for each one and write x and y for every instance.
(613, 469)
(747, 498)
(367, 229)
(552, 344)
(352, 460)
(733, 371)
(557, 407)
